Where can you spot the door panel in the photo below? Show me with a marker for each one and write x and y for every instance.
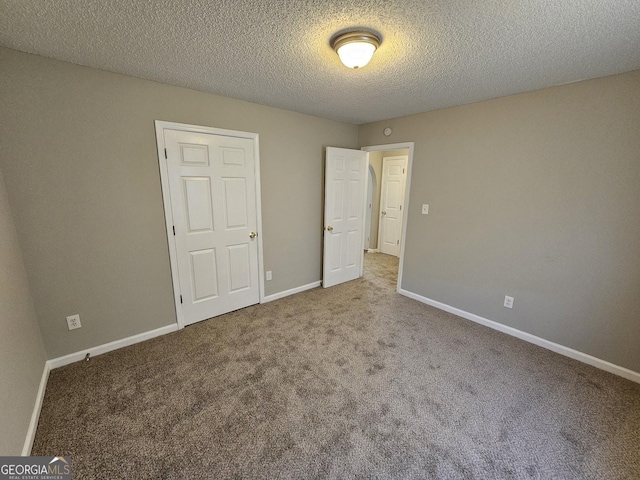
(390, 231)
(213, 201)
(233, 156)
(199, 211)
(204, 274)
(391, 198)
(338, 200)
(355, 199)
(344, 215)
(393, 193)
(239, 271)
(353, 248)
(194, 155)
(235, 202)
(334, 252)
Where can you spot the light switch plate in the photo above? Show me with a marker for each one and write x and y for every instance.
(425, 209)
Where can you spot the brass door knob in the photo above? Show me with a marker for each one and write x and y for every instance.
(253, 235)
(384, 213)
(330, 228)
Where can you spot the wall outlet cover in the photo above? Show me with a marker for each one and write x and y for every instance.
(73, 322)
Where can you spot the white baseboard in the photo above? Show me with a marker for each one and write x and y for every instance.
(75, 357)
(527, 337)
(292, 291)
(372, 250)
(35, 416)
(108, 347)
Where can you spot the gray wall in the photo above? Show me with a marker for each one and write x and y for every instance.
(79, 156)
(536, 196)
(375, 159)
(22, 354)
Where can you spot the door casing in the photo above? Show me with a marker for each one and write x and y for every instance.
(407, 191)
(166, 200)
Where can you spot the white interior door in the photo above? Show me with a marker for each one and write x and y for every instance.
(344, 203)
(394, 174)
(212, 184)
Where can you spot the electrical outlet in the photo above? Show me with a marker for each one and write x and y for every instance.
(508, 301)
(425, 209)
(73, 322)
(269, 276)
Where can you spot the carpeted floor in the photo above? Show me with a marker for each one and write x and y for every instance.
(353, 381)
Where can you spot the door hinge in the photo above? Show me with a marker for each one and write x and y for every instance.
(166, 151)
(398, 242)
(165, 154)
(400, 207)
(180, 298)
(174, 230)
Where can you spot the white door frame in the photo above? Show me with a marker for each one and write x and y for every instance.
(398, 146)
(166, 200)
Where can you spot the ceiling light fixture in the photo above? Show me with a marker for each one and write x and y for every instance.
(355, 49)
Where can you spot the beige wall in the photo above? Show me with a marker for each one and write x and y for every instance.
(81, 167)
(536, 196)
(375, 159)
(22, 354)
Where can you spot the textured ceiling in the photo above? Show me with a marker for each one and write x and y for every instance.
(434, 53)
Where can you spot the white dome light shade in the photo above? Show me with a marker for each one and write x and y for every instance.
(355, 49)
(356, 54)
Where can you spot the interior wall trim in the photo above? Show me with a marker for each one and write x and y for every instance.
(527, 337)
(35, 416)
(291, 291)
(141, 337)
(108, 347)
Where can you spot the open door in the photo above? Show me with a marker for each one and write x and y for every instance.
(344, 202)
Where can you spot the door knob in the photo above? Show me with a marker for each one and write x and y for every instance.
(330, 228)
(384, 213)
(253, 235)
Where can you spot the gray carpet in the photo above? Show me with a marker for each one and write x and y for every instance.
(354, 381)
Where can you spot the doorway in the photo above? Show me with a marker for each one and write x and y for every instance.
(388, 224)
(211, 195)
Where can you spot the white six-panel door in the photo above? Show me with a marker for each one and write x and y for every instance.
(343, 215)
(212, 188)
(391, 198)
